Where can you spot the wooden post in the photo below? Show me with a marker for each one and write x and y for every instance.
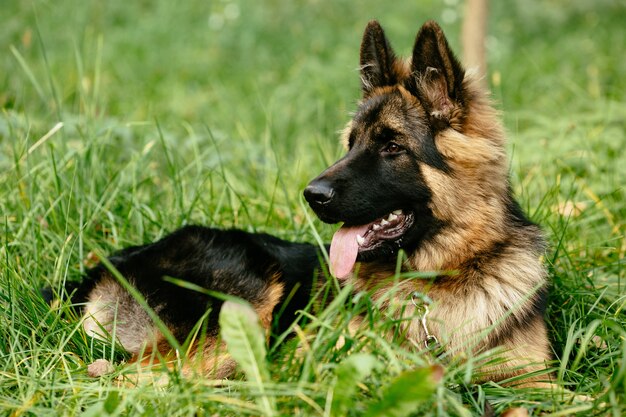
(474, 35)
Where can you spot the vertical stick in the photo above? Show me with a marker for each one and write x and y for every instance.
(473, 37)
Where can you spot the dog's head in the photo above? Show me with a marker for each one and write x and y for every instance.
(408, 143)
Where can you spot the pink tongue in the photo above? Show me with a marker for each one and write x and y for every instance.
(344, 249)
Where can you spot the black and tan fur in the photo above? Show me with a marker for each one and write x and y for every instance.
(424, 140)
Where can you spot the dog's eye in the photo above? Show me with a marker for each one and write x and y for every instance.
(392, 147)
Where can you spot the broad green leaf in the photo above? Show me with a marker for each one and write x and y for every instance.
(245, 341)
(406, 392)
(112, 401)
(349, 374)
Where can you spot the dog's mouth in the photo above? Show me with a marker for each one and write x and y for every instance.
(350, 242)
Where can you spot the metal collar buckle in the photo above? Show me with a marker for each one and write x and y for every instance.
(421, 302)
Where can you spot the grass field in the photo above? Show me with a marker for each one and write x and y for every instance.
(219, 113)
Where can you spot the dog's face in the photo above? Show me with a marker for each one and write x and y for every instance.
(379, 181)
(378, 189)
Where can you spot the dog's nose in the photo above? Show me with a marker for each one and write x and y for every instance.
(318, 192)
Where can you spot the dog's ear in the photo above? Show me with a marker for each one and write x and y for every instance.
(377, 59)
(437, 76)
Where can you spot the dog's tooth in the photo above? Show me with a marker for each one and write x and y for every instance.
(391, 217)
(360, 240)
(376, 227)
(384, 222)
(397, 212)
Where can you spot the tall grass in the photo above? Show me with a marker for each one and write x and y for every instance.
(122, 121)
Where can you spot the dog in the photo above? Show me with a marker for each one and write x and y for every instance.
(422, 187)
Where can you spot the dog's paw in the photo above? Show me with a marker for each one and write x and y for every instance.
(99, 368)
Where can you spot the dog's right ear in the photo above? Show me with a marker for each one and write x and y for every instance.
(437, 75)
(377, 59)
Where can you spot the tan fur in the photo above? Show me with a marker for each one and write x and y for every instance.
(344, 134)
(106, 306)
(272, 296)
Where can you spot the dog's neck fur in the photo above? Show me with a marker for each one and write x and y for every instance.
(475, 216)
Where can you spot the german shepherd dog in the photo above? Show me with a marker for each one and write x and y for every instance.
(425, 173)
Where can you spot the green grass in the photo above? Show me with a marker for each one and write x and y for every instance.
(219, 113)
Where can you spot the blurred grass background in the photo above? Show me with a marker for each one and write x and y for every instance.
(220, 112)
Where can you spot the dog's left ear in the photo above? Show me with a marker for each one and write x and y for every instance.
(437, 76)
